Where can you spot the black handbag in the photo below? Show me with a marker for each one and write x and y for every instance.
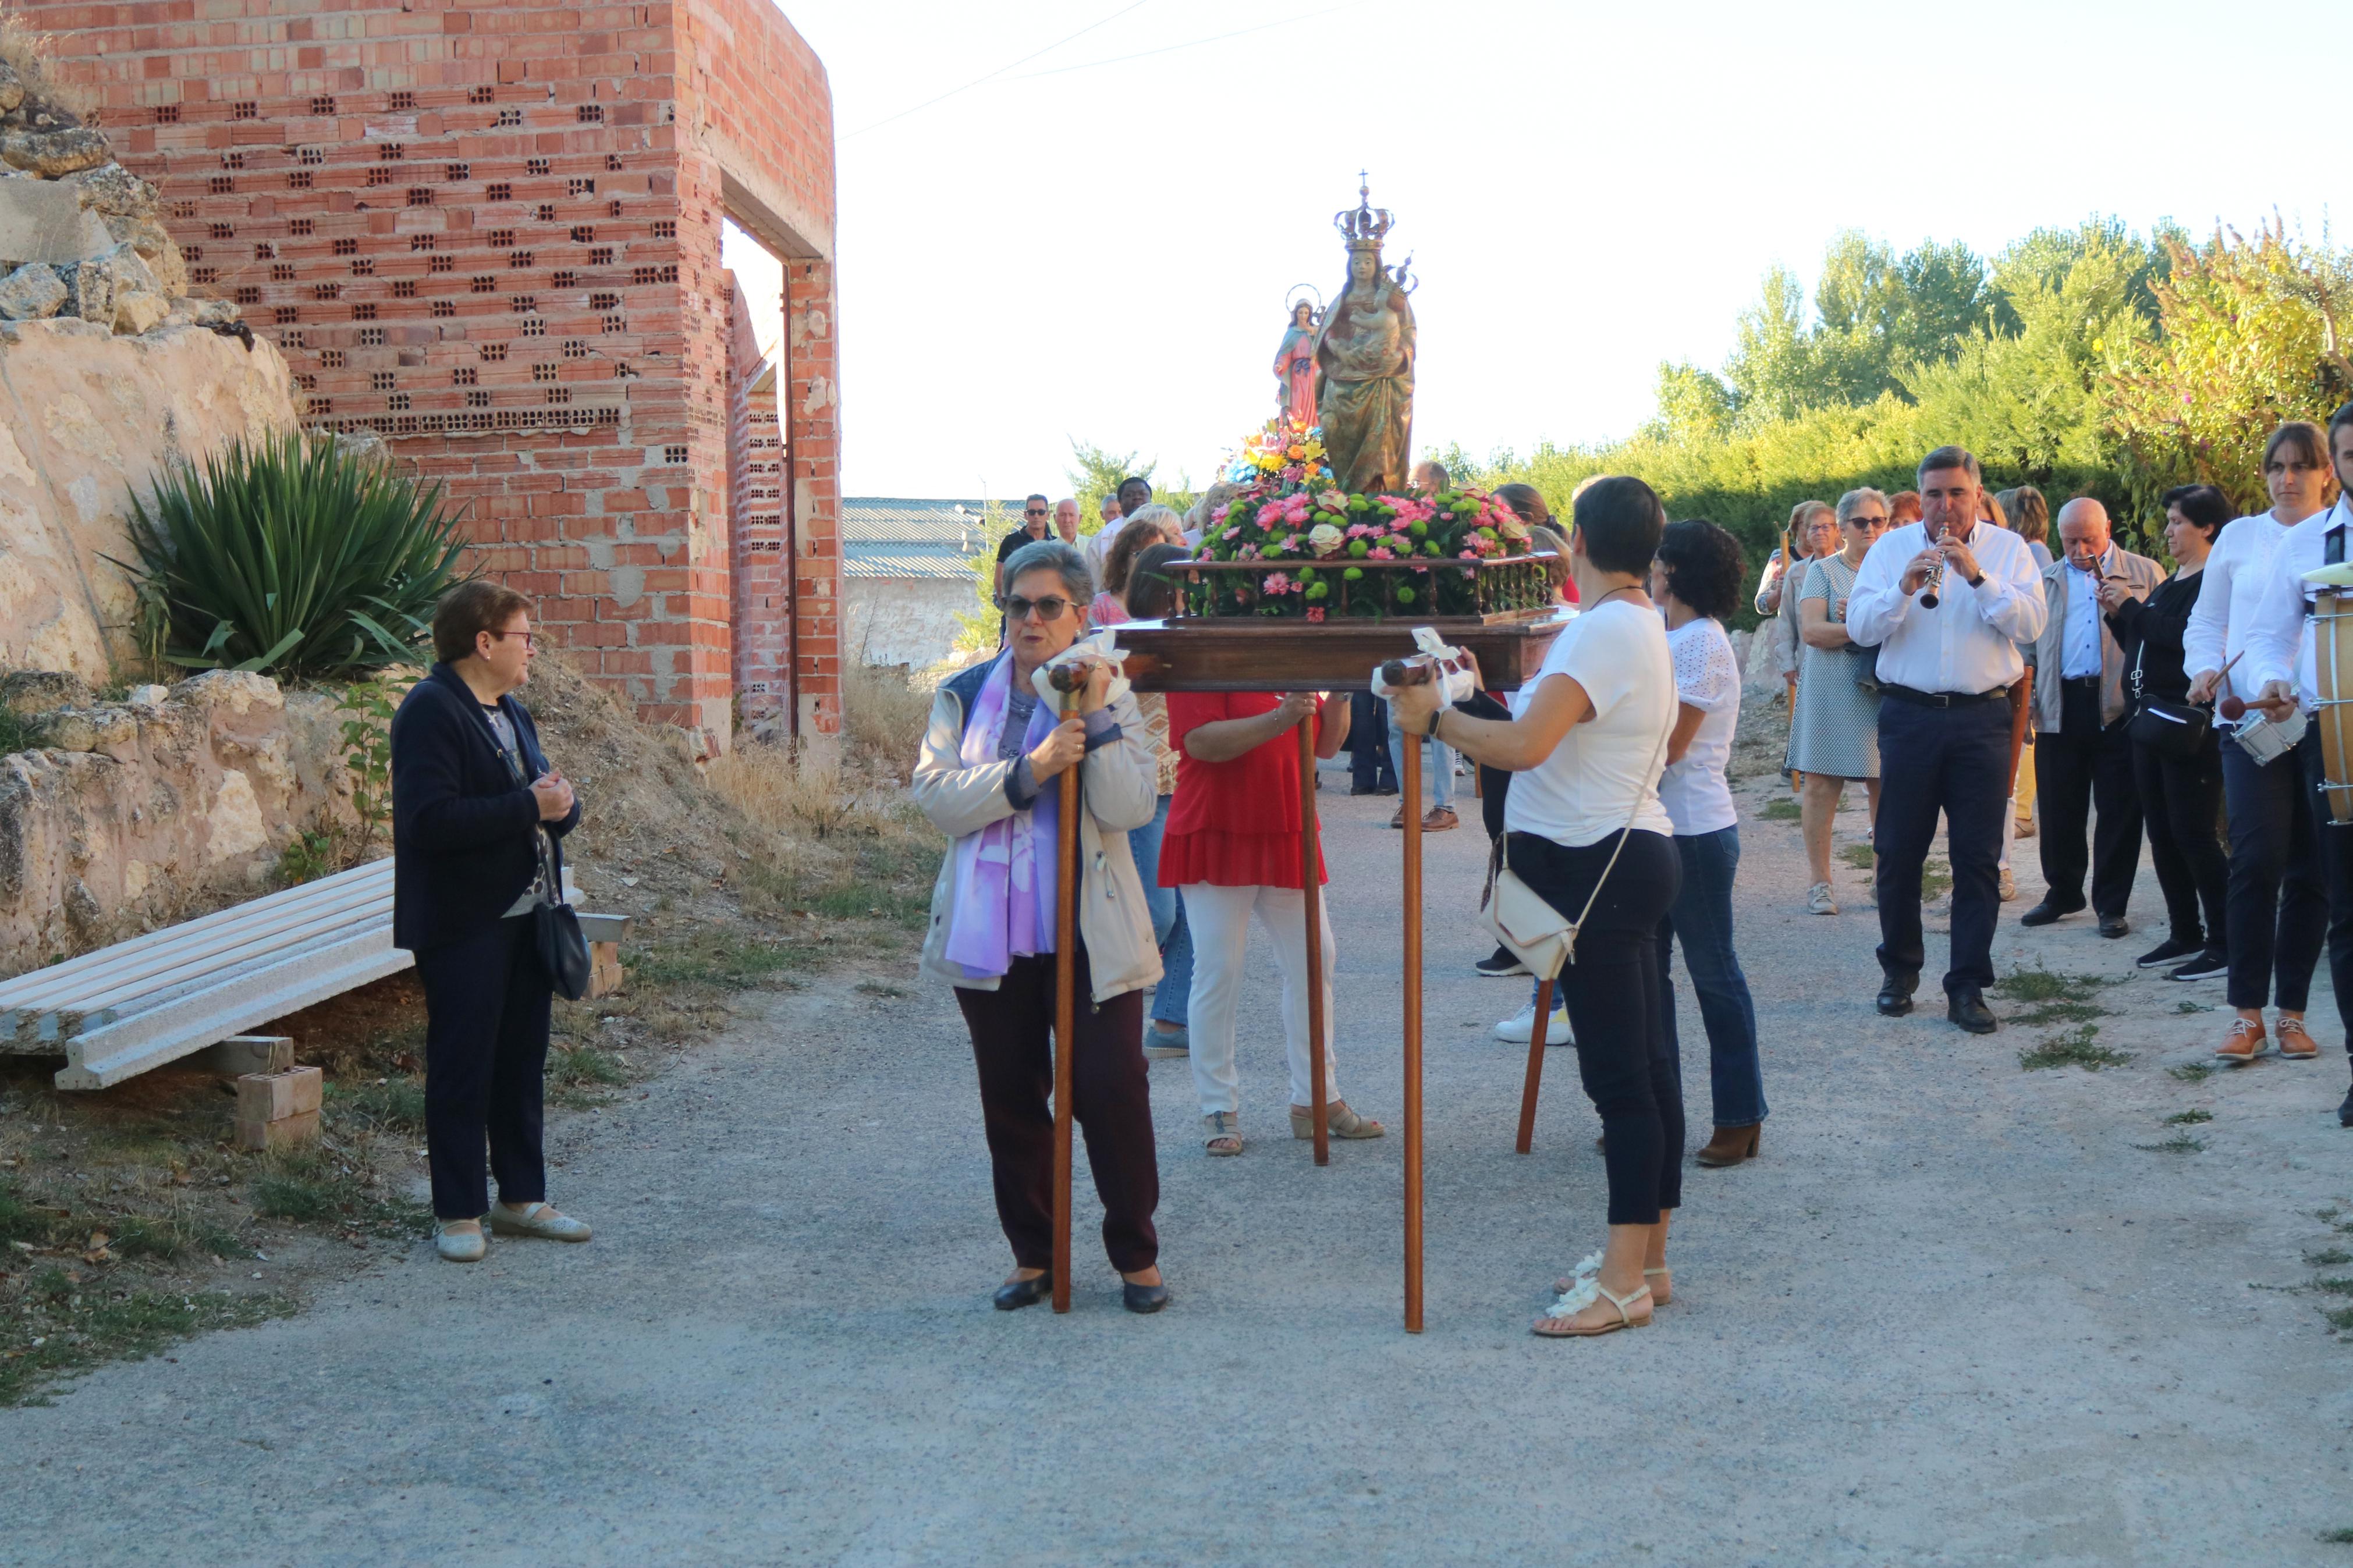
(2166, 726)
(563, 950)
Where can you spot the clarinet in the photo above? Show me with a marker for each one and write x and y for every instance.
(1936, 581)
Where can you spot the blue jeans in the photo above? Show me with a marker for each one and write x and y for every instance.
(1438, 774)
(1168, 907)
(1701, 917)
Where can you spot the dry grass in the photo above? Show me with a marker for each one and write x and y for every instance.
(27, 50)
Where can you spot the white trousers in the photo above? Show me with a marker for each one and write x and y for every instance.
(1221, 920)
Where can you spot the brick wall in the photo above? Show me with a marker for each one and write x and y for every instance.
(755, 475)
(492, 233)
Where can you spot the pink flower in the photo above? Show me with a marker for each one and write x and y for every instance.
(1357, 530)
(1315, 613)
(1293, 473)
(1230, 533)
(1289, 542)
(1277, 583)
(1469, 555)
(1381, 552)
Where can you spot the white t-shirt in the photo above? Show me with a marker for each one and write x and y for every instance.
(1603, 770)
(1707, 677)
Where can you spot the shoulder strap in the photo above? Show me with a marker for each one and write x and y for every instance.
(1624, 832)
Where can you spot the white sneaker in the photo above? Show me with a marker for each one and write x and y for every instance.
(1818, 901)
(1520, 1028)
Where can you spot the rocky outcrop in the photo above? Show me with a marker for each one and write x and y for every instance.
(130, 813)
(87, 419)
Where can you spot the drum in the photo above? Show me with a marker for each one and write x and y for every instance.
(2332, 667)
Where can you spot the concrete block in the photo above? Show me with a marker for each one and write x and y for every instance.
(604, 972)
(276, 1095)
(41, 220)
(242, 1054)
(285, 1132)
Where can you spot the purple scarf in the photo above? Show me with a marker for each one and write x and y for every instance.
(1005, 888)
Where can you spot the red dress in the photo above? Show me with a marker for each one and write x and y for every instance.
(1233, 825)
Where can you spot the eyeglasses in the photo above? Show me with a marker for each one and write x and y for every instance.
(1050, 609)
(528, 638)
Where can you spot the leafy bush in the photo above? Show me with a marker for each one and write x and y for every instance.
(291, 555)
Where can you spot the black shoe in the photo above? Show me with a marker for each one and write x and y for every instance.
(2114, 926)
(2205, 966)
(2043, 913)
(1504, 964)
(1364, 789)
(1896, 995)
(1967, 1009)
(2170, 951)
(1144, 1297)
(2344, 1111)
(1016, 1294)
(1386, 789)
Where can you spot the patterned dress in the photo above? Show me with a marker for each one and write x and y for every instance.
(1836, 729)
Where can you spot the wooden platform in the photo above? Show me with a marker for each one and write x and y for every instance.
(1231, 654)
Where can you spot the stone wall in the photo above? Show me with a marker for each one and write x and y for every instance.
(135, 813)
(909, 621)
(87, 419)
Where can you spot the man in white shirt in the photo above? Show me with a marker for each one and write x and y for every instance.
(1133, 496)
(2082, 746)
(2280, 666)
(2278, 909)
(1944, 671)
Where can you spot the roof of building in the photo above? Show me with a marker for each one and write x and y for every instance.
(887, 536)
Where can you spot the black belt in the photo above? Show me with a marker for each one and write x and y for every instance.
(1943, 698)
(2079, 680)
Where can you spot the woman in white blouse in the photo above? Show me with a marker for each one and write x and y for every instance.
(1695, 578)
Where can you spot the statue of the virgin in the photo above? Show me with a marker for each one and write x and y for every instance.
(1295, 365)
(1363, 362)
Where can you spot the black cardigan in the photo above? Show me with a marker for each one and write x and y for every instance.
(462, 850)
(2151, 629)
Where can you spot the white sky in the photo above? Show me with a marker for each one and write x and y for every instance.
(1098, 248)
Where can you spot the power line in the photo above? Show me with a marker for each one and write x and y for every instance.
(1195, 44)
(1000, 70)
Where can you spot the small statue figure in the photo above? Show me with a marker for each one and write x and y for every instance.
(1364, 361)
(1295, 365)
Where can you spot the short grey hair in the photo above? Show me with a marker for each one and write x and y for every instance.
(1959, 458)
(1209, 500)
(1153, 514)
(1853, 498)
(1053, 555)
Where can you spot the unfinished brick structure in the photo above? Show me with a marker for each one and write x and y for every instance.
(492, 233)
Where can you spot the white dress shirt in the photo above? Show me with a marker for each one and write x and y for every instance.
(2235, 573)
(2279, 632)
(1969, 643)
(2081, 653)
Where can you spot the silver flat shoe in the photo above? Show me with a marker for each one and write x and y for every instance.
(540, 1220)
(459, 1245)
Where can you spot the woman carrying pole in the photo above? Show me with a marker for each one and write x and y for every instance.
(1585, 830)
(990, 777)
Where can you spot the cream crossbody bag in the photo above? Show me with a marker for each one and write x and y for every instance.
(1525, 921)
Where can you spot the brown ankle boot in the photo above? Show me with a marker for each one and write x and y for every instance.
(1730, 1146)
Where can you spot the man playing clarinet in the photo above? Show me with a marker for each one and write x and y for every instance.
(1947, 600)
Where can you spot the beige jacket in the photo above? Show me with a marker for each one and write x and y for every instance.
(1118, 784)
(2141, 577)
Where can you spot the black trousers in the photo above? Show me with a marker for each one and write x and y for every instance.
(2180, 798)
(2335, 844)
(1111, 1100)
(1369, 764)
(1954, 761)
(1625, 1054)
(2279, 891)
(2083, 768)
(486, 1014)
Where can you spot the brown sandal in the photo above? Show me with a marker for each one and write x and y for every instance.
(1339, 1121)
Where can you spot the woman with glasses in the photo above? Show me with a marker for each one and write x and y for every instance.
(477, 826)
(1835, 735)
(990, 778)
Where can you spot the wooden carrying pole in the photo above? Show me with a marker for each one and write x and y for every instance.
(1066, 947)
(1396, 672)
(2022, 704)
(1311, 900)
(1535, 1067)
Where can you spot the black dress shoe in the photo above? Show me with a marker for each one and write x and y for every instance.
(1016, 1294)
(2344, 1111)
(1896, 995)
(2114, 926)
(2043, 913)
(1144, 1297)
(1967, 1009)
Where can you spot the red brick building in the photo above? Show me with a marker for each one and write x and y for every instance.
(492, 233)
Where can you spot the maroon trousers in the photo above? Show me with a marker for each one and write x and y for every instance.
(1111, 1099)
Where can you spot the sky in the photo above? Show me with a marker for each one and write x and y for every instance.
(1090, 235)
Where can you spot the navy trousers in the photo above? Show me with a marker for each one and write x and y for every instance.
(1952, 761)
(487, 1003)
(2335, 847)
(2279, 893)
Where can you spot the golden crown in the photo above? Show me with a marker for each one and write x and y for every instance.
(1363, 227)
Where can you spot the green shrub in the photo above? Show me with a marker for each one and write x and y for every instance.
(291, 556)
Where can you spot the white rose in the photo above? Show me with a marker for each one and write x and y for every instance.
(1326, 540)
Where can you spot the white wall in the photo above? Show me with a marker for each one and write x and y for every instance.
(901, 620)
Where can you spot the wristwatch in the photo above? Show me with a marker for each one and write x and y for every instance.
(1435, 715)
(1978, 580)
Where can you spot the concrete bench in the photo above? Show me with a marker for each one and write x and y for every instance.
(123, 1009)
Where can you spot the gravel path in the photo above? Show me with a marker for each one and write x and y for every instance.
(1952, 1315)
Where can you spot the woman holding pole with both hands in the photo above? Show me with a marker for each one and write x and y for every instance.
(993, 747)
(1583, 829)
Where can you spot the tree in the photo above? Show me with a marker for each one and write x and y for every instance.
(977, 628)
(1095, 474)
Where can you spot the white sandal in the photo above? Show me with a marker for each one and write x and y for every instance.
(1556, 1324)
(1223, 1128)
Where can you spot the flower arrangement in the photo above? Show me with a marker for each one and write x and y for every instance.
(1364, 555)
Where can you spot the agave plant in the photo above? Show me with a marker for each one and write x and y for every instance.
(289, 554)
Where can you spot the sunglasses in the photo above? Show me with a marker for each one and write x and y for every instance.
(1866, 522)
(1050, 609)
(1033, 511)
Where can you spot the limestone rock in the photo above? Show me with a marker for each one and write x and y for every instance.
(90, 291)
(31, 293)
(54, 153)
(148, 239)
(215, 312)
(112, 191)
(139, 302)
(239, 691)
(34, 112)
(26, 692)
(11, 87)
(41, 220)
